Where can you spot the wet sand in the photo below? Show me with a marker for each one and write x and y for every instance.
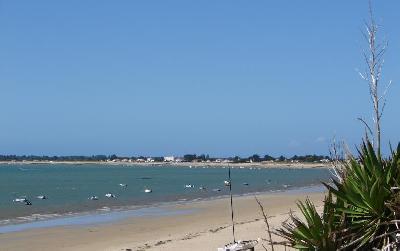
(201, 225)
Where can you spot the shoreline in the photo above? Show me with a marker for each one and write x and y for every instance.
(178, 164)
(184, 225)
(111, 214)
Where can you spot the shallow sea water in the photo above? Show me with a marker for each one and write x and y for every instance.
(68, 187)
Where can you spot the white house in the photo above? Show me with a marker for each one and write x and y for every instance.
(169, 158)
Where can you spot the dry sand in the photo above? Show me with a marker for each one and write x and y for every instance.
(206, 227)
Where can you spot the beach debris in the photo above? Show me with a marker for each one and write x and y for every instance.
(42, 197)
(162, 242)
(189, 186)
(110, 195)
(123, 185)
(227, 183)
(148, 190)
(93, 197)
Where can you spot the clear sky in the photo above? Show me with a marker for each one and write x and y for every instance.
(173, 77)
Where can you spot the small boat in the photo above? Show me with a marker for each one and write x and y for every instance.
(110, 195)
(227, 183)
(41, 197)
(236, 245)
(239, 245)
(123, 185)
(148, 190)
(216, 190)
(22, 200)
(245, 184)
(93, 197)
(202, 188)
(189, 186)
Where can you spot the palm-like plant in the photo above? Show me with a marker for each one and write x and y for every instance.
(315, 232)
(365, 196)
(361, 212)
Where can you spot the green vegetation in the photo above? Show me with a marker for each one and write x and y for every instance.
(361, 211)
(186, 158)
(316, 233)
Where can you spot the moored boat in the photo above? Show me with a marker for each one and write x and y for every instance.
(239, 245)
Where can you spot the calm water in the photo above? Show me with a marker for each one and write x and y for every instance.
(68, 187)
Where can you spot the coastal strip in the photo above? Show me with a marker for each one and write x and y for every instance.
(266, 164)
(205, 225)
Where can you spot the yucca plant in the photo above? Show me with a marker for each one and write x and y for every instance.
(367, 199)
(315, 232)
(361, 212)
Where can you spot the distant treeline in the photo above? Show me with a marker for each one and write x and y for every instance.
(258, 158)
(185, 158)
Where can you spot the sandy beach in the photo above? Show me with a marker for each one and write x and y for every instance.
(205, 225)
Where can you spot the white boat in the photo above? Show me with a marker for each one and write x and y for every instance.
(20, 200)
(236, 245)
(23, 200)
(41, 197)
(93, 197)
(123, 185)
(245, 184)
(216, 190)
(148, 190)
(202, 188)
(110, 195)
(189, 186)
(239, 245)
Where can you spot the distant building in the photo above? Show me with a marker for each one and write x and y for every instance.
(169, 158)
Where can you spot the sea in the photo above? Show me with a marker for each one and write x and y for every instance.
(68, 187)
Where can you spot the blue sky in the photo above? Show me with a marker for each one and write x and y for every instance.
(174, 77)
